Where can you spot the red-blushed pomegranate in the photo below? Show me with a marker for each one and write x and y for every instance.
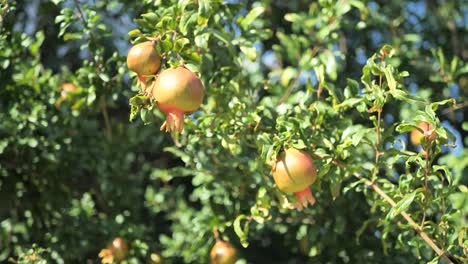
(293, 172)
(144, 60)
(115, 252)
(177, 91)
(223, 253)
(429, 133)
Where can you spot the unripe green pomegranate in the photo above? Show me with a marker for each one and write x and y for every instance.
(293, 172)
(177, 91)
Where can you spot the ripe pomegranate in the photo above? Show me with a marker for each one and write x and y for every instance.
(223, 253)
(119, 249)
(115, 252)
(429, 134)
(64, 90)
(67, 88)
(294, 171)
(144, 60)
(177, 91)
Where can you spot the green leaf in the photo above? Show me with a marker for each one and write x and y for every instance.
(459, 201)
(79, 103)
(242, 232)
(204, 9)
(138, 100)
(392, 84)
(192, 67)
(403, 128)
(151, 17)
(223, 36)
(134, 33)
(348, 103)
(288, 74)
(447, 172)
(403, 204)
(180, 44)
(387, 51)
(250, 52)
(104, 77)
(166, 45)
(72, 36)
(178, 153)
(251, 16)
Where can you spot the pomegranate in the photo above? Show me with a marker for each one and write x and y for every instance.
(64, 90)
(144, 60)
(223, 253)
(294, 171)
(429, 134)
(177, 91)
(67, 88)
(116, 251)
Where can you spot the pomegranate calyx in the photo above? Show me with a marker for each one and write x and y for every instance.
(303, 198)
(174, 122)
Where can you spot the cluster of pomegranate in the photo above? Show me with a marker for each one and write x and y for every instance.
(176, 90)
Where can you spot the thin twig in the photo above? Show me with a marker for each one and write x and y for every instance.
(82, 16)
(444, 255)
(216, 234)
(408, 218)
(455, 108)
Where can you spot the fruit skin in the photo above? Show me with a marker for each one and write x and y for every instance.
(66, 88)
(223, 253)
(178, 88)
(416, 135)
(294, 171)
(177, 91)
(119, 249)
(143, 59)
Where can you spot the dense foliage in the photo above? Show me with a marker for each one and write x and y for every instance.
(345, 81)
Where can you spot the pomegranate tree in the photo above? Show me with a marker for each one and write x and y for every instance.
(293, 172)
(223, 253)
(177, 91)
(143, 60)
(429, 133)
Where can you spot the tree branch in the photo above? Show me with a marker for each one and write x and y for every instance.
(443, 255)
